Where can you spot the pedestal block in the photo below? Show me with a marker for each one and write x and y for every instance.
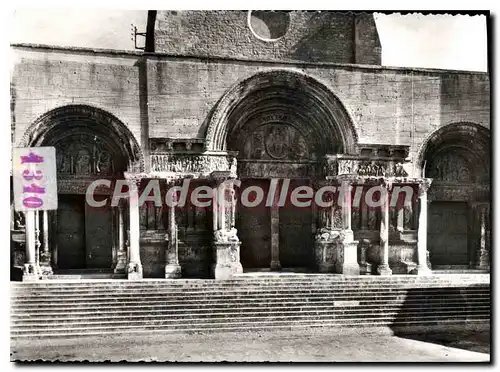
(31, 272)
(134, 271)
(325, 249)
(227, 259)
(347, 263)
(173, 271)
(45, 266)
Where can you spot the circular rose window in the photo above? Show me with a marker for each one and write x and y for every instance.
(268, 25)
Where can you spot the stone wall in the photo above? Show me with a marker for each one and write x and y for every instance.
(293, 36)
(44, 79)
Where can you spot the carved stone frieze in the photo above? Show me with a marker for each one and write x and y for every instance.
(337, 165)
(202, 164)
(327, 235)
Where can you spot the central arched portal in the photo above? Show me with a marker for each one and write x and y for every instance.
(282, 124)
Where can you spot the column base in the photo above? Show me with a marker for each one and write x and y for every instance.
(173, 271)
(326, 267)
(421, 270)
(384, 270)
(275, 265)
(121, 263)
(483, 260)
(134, 271)
(365, 268)
(46, 270)
(350, 269)
(223, 272)
(31, 273)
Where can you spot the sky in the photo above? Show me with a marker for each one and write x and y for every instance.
(437, 41)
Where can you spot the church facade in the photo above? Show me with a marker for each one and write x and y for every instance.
(269, 99)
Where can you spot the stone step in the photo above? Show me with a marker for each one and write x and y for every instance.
(242, 306)
(207, 323)
(295, 278)
(254, 302)
(375, 327)
(177, 289)
(211, 283)
(239, 326)
(273, 297)
(232, 315)
(116, 307)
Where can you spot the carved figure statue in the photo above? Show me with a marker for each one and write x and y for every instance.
(104, 163)
(83, 162)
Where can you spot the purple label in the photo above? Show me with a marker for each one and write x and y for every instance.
(32, 202)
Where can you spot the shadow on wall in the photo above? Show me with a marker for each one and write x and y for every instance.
(317, 43)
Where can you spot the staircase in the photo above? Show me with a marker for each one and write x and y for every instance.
(259, 302)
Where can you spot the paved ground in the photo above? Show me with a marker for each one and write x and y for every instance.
(296, 346)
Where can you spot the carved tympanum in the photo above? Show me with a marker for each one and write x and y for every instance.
(84, 155)
(450, 167)
(276, 142)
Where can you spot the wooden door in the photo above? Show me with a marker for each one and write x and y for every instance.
(295, 233)
(71, 232)
(447, 233)
(254, 229)
(99, 237)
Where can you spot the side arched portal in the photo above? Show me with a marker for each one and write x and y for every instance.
(90, 144)
(457, 158)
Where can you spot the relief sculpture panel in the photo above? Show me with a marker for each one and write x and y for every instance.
(450, 167)
(275, 142)
(83, 155)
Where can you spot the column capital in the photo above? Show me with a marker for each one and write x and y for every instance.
(423, 186)
(135, 178)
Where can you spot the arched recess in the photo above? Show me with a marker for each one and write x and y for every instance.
(90, 144)
(281, 123)
(59, 124)
(469, 140)
(313, 108)
(457, 158)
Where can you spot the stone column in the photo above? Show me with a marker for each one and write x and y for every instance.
(383, 268)
(422, 267)
(172, 267)
(347, 260)
(483, 259)
(364, 211)
(38, 244)
(275, 233)
(134, 267)
(121, 261)
(226, 242)
(326, 237)
(31, 270)
(45, 254)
